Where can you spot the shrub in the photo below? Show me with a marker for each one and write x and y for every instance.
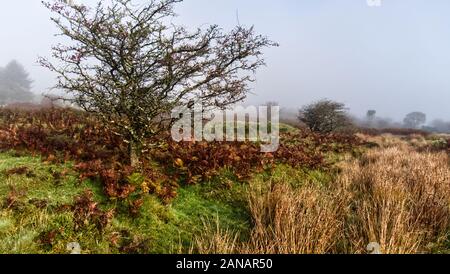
(324, 116)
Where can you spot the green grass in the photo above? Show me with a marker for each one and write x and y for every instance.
(159, 228)
(43, 188)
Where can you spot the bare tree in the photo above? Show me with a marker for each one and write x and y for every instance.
(415, 119)
(324, 116)
(131, 67)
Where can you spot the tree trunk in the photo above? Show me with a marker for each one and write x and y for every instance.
(135, 151)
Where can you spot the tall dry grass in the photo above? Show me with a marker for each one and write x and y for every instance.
(399, 198)
(306, 220)
(393, 195)
(216, 240)
(294, 221)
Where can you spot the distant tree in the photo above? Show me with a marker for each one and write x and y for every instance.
(384, 123)
(131, 66)
(415, 119)
(371, 114)
(370, 118)
(15, 83)
(17, 75)
(440, 126)
(325, 116)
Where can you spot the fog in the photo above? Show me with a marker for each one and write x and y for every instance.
(394, 58)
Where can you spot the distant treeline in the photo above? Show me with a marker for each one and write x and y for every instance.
(413, 123)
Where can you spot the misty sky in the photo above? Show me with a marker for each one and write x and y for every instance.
(394, 58)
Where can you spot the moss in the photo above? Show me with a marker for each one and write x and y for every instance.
(171, 229)
(159, 228)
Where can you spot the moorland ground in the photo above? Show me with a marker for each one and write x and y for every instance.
(64, 178)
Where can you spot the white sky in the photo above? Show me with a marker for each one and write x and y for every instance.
(394, 58)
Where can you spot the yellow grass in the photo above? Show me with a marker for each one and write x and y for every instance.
(399, 198)
(393, 196)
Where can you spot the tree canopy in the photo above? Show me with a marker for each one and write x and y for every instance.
(415, 119)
